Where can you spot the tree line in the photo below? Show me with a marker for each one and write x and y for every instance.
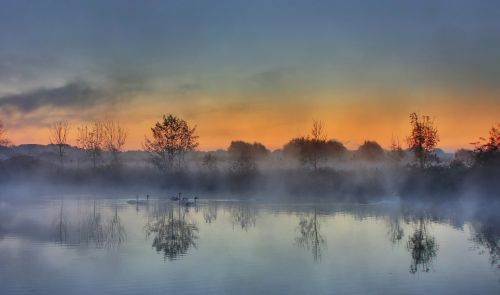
(173, 137)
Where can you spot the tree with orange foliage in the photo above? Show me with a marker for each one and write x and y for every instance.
(3, 141)
(423, 139)
(487, 150)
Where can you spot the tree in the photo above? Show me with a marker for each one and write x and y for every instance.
(244, 155)
(209, 161)
(317, 132)
(114, 138)
(91, 139)
(318, 139)
(58, 136)
(3, 141)
(370, 151)
(423, 139)
(171, 139)
(396, 153)
(312, 149)
(254, 150)
(463, 157)
(486, 151)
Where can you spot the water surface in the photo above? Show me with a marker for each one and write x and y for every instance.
(84, 246)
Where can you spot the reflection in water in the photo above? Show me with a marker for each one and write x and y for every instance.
(243, 215)
(92, 230)
(486, 235)
(422, 247)
(62, 227)
(394, 230)
(210, 212)
(310, 237)
(173, 234)
(115, 231)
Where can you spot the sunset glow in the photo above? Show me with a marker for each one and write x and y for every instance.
(260, 74)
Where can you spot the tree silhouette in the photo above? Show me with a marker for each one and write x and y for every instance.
(58, 136)
(370, 151)
(244, 156)
(91, 139)
(314, 148)
(114, 138)
(396, 153)
(3, 140)
(423, 139)
(172, 138)
(487, 151)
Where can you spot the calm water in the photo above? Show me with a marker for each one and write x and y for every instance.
(82, 246)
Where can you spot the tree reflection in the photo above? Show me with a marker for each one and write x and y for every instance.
(210, 212)
(244, 216)
(310, 237)
(91, 229)
(173, 234)
(62, 226)
(423, 248)
(486, 235)
(115, 231)
(394, 230)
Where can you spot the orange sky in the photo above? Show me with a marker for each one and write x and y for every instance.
(273, 123)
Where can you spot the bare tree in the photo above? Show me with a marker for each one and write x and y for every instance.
(396, 153)
(423, 139)
(114, 138)
(317, 131)
(58, 136)
(172, 139)
(313, 153)
(91, 139)
(3, 141)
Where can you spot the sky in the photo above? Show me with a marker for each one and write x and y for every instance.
(259, 70)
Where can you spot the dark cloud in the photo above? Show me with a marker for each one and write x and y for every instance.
(72, 95)
(75, 94)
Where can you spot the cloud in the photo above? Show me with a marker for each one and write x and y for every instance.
(72, 95)
(277, 78)
(75, 94)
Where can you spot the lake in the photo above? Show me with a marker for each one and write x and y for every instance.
(81, 245)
